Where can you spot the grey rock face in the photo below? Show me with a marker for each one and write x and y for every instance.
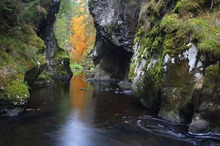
(46, 30)
(170, 72)
(32, 74)
(116, 23)
(116, 20)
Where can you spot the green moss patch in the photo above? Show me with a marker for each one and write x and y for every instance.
(18, 54)
(14, 12)
(183, 7)
(61, 54)
(19, 49)
(207, 33)
(191, 8)
(160, 33)
(211, 77)
(17, 93)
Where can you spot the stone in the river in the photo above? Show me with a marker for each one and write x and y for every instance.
(199, 126)
(125, 85)
(11, 112)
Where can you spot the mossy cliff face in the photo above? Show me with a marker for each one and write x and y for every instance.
(176, 51)
(57, 58)
(116, 23)
(207, 111)
(21, 50)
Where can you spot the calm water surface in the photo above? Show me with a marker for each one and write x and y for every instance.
(80, 114)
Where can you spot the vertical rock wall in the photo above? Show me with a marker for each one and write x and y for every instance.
(116, 23)
(21, 50)
(175, 58)
(21, 60)
(57, 59)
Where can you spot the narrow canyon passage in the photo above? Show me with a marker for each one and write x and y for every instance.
(109, 72)
(84, 114)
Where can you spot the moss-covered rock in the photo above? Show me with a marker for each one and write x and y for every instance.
(174, 44)
(14, 12)
(21, 51)
(208, 109)
(58, 66)
(175, 53)
(177, 90)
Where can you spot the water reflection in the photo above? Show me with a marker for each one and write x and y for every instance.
(80, 114)
(94, 110)
(75, 132)
(77, 129)
(81, 94)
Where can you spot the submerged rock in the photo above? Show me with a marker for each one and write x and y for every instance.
(10, 112)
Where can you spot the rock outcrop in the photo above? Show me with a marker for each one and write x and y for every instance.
(173, 55)
(116, 23)
(175, 59)
(22, 57)
(57, 58)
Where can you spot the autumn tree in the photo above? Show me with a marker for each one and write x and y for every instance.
(74, 28)
(83, 32)
(68, 9)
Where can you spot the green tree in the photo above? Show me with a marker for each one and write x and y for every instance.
(68, 8)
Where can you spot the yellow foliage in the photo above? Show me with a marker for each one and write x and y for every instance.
(82, 34)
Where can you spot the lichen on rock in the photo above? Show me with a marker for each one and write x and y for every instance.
(172, 49)
(175, 52)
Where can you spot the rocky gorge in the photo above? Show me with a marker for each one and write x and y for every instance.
(169, 50)
(29, 54)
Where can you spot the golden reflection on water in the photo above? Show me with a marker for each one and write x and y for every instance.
(76, 131)
(81, 94)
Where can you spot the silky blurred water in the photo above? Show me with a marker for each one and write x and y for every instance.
(81, 114)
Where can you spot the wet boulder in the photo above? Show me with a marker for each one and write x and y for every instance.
(208, 109)
(181, 74)
(125, 85)
(33, 73)
(199, 126)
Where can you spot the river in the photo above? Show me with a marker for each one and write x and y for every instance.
(83, 114)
